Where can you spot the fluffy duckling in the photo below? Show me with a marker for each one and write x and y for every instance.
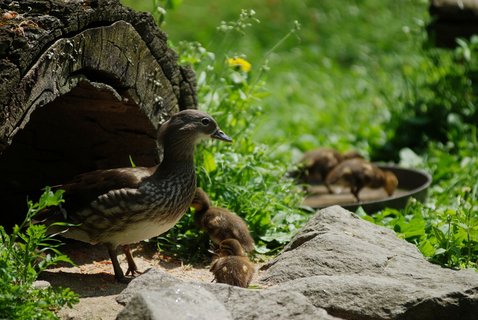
(220, 223)
(359, 173)
(316, 164)
(351, 154)
(117, 207)
(231, 266)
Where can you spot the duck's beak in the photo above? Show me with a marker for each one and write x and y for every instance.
(220, 135)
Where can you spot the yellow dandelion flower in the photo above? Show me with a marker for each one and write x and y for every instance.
(240, 63)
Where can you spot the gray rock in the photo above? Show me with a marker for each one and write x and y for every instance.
(366, 297)
(337, 265)
(151, 279)
(357, 270)
(267, 304)
(182, 301)
(144, 293)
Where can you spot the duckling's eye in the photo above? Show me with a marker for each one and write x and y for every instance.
(205, 121)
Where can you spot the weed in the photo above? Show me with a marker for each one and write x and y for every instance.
(439, 101)
(445, 228)
(243, 176)
(24, 253)
(361, 76)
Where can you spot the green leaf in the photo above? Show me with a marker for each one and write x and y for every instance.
(439, 251)
(133, 165)
(23, 254)
(427, 249)
(209, 163)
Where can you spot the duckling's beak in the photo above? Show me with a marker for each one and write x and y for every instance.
(220, 135)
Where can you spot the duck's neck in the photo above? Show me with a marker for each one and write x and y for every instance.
(177, 154)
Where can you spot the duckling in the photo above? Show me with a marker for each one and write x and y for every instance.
(117, 207)
(359, 173)
(316, 164)
(220, 223)
(231, 266)
(350, 154)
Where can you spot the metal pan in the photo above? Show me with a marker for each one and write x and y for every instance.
(411, 183)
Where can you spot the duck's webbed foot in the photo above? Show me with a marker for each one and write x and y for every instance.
(119, 275)
(132, 268)
(355, 192)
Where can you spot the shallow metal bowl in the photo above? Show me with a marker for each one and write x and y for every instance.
(411, 183)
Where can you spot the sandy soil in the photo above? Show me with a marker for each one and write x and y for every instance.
(92, 277)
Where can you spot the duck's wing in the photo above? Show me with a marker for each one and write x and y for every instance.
(340, 174)
(85, 188)
(368, 172)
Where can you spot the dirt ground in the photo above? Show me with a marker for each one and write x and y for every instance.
(93, 279)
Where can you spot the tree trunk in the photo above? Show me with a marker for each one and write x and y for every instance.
(452, 19)
(84, 86)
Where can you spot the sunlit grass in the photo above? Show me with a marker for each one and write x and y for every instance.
(330, 80)
(358, 74)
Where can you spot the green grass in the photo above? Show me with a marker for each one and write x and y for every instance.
(336, 80)
(355, 74)
(242, 176)
(358, 74)
(445, 228)
(24, 253)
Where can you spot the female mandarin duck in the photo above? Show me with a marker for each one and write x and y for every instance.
(126, 205)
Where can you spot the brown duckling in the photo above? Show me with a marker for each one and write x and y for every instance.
(117, 207)
(316, 164)
(350, 154)
(220, 223)
(359, 173)
(231, 266)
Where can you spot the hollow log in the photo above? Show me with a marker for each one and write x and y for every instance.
(452, 19)
(85, 84)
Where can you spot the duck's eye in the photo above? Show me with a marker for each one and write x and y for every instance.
(205, 121)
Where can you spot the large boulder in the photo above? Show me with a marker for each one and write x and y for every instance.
(357, 270)
(144, 294)
(337, 266)
(267, 304)
(180, 301)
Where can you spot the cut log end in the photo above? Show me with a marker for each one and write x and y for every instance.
(90, 98)
(452, 19)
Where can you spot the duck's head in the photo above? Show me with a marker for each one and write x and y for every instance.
(390, 182)
(193, 125)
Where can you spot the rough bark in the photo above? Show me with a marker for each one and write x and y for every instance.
(84, 85)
